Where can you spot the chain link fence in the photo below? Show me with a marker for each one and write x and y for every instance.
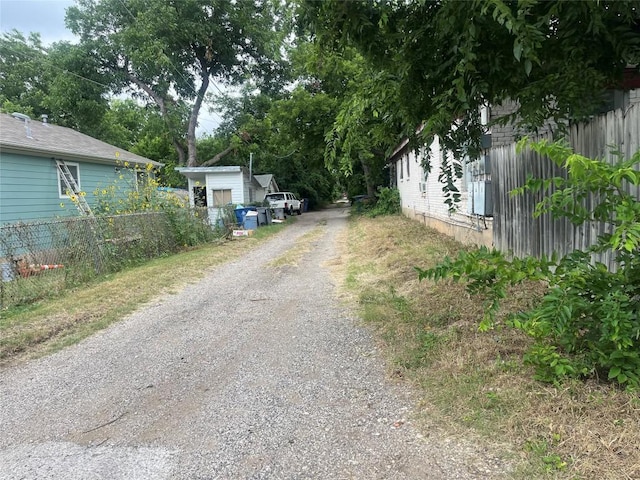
(41, 259)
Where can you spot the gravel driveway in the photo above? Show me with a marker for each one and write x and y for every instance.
(254, 372)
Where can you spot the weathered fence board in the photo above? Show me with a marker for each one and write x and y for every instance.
(514, 228)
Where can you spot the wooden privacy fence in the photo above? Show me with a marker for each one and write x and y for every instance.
(514, 228)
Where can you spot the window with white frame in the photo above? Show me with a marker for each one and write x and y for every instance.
(74, 170)
(408, 157)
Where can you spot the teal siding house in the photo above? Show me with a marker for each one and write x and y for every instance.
(41, 165)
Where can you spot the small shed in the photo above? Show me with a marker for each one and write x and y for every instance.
(216, 187)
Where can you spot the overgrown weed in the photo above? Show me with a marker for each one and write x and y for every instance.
(475, 383)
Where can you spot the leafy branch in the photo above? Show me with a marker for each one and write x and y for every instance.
(587, 322)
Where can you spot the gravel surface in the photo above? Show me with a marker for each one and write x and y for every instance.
(255, 372)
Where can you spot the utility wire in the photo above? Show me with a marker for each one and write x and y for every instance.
(47, 61)
(50, 63)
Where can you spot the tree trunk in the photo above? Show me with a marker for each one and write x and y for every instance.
(371, 188)
(217, 157)
(192, 160)
(162, 104)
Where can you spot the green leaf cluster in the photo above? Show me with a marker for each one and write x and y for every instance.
(169, 53)
(386, 202)
(435, 64)
(587, 323)
(37, 80)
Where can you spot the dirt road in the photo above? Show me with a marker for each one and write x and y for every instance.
(255, 372)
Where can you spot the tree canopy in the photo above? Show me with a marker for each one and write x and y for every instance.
(36, 80)
(446, 59)
(330, 103)
(169, 53)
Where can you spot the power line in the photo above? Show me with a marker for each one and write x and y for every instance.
(50, 63)
(180, 74)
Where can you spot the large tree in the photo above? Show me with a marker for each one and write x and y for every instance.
(359, 134)
(448, 58)
(285, 135)
(170, 52)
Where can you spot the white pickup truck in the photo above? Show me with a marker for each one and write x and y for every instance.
(286, 200)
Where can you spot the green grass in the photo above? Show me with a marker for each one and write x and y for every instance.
(469, 384)
(473, 384)
(53, 323)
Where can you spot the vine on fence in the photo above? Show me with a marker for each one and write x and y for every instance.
(587, 322)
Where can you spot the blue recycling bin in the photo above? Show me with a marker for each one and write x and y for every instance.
(241, 213)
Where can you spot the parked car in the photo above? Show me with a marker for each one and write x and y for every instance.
(286, 200)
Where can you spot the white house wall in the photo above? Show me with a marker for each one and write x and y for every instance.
(427, 205)
(226, 181)
(223, 181)
(249, 190)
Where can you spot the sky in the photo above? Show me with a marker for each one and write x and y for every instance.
(43, 16)
(47, 18)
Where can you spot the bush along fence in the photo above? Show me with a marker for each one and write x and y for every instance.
(587, 324)
(41, 259)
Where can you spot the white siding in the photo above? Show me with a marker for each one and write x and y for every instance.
(226, 181)
(249, 189)
(428, 205)
(430, 201)
(223, 181)
(244, 188)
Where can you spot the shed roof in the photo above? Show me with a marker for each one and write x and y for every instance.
(47, 140)
(264, 180)
(224, 169)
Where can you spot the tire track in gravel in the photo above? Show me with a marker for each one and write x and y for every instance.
(254, 372)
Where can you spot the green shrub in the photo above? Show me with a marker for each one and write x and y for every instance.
(137, 192)
(387, 203)
(587, 323)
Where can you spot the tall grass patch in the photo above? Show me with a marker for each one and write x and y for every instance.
(50, 324)
(475, 384)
